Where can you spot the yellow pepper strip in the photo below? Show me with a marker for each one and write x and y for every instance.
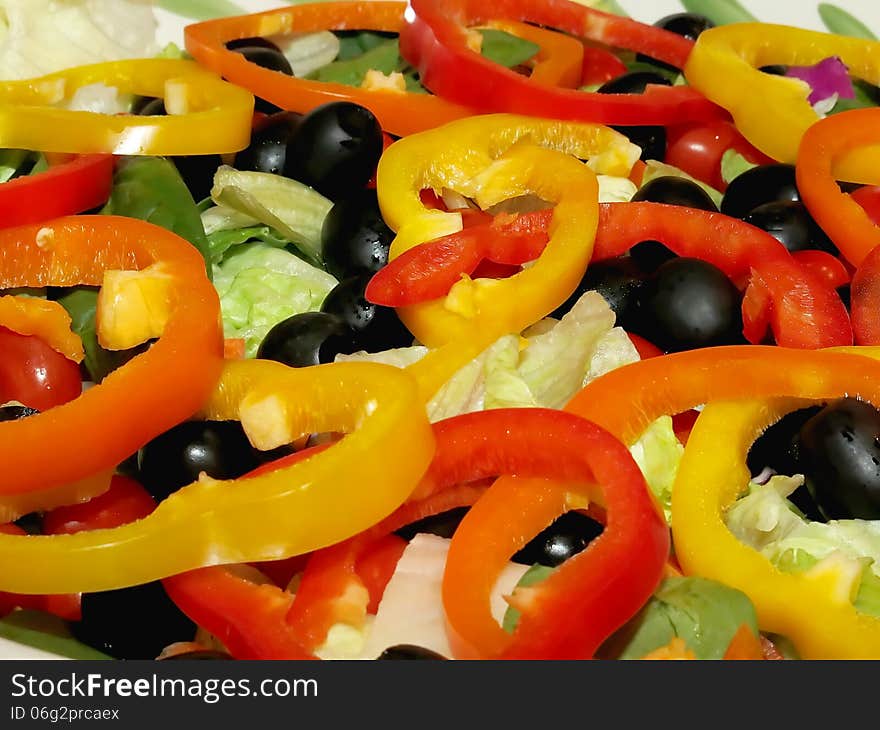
(206, 115)
(41, 318)
(724, 67)
(13, 506)
(491, 159)
(311, 504)
(813, 609)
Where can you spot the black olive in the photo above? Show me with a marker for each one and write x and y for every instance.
(846, 295)
(760, 185)
(566, 537)
(148, 106)
(267, 151)
(174, 459)
(617, 280)
(253, 42)
(651, 255)
(268, 56)
(792, 225)
(687, 304)
(774, 70)
(687, 25)
(409, 651)
(443, 525)
(308, 339)
(197, 172)
(16, 413)
(376, 328)
(335, 149)
(355, 238)
(651, 140)
(633, 82)
(200, 655)
(132, 623)
(839, 454)
(672, 190)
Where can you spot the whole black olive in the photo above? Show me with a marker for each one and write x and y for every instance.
(672, 190)
(267, 151)
(409, 651)
(355, 238)
(308, 339)
(760, 185)
(566, 537)
(617, 280)
(791, 224)
(443, 525)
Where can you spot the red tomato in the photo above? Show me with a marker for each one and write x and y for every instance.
(698, 149)
(869, 198)
(125, 501)
(34, 374)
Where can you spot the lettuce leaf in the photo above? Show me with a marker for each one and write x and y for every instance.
(655, 169)
(658, 453)
(261, 285)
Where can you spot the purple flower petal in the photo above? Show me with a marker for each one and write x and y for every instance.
(826, 78)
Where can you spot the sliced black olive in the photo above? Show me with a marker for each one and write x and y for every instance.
(633, 82)
(409, 651)
(687, 25)
(252, 42)
(16, 413)
(443, 525)
(791, 224)
(566, 537)
(148, 106)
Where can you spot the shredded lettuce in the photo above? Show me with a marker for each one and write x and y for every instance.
(658, 453)
(733, 164)
(38, 37)
(261, 285)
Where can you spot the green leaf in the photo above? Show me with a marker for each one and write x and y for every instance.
(151, 189)
(384, 57)
(720, 12)
(220, 242)
(354, 43)
(201, 9)
(506, 49)
(81, 304)
(733, 164)
(839, 21)
(45, 632)
(865, 97)
(704, 613)
(532, 576)
(671, 74)
(11, 161)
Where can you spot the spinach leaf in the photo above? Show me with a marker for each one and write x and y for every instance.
(384, 57)
(506, 49)
(45, 632)
(221, 241)
(353, 43)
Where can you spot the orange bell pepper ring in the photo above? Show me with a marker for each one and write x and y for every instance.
(171, 299)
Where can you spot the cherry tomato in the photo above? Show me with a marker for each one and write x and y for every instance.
(698, 149)
(125, 501)
(869, 198)
(34, 374)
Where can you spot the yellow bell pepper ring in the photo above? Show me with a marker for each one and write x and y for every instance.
(724, 67)
(813, 609)
(206, 115)
(308, 505)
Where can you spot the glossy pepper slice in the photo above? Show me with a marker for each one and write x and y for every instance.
(724, 66)
(435, 40)
(318, 502)
(813, 609)
(206, 115)
(42, 318)
(398, 113)
(823, 151)
(70, 187)
(152, 392)
(568, 615)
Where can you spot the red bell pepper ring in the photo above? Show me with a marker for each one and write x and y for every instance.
(434, 40)
(588, 597)
(600, 66)
(71, 187)
(825, 266)
(802, 307)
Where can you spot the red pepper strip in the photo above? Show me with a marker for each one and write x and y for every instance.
(66, 606)
(71, 187)
(376, 566)
(802, 309)
(643, 347)
(125, 501)
(435, 41)
(590, 596)
(869, 198)
(840, 216)
(600, 66)
(865, 300)
(825, 266)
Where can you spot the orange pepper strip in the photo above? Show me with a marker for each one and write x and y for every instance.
(398, 113)
(44, 319)
(824, 145)
(155, 390)
(560, 60)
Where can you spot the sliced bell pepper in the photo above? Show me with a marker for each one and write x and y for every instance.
(435, 41)
(724, 66)
(206, 115)
(568, 615)
(153, 391)
(272, 516)
(560, 58)
(822, 264)
(822, 155)
(42, 318)
(398, 113)
(70, 187)
(814, 609)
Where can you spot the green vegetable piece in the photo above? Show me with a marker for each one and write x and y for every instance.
(839, 21)
(733, 164)
(81, 304)
(295, 210)
(720, 12)
(704, 613)
(353, 43)
(11, 161)
(865, 97)
(151, 189)
(47, 633)
(222, 241)
(201, 9)
(667, 73)
(506, 49)
(532, 576)
(384, 57)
